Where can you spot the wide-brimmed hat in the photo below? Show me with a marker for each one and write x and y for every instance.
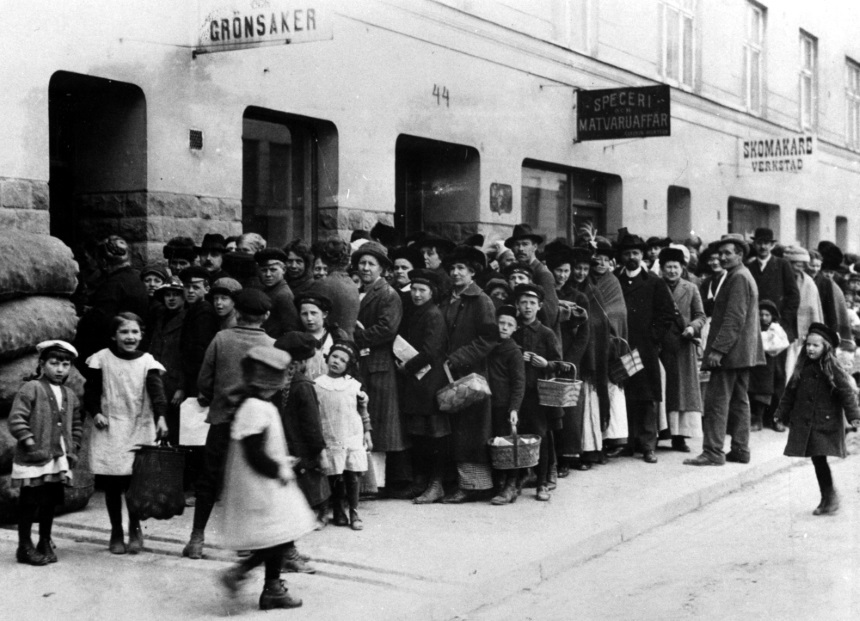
(831, 256)
(662, 242)
(384, 234)
(825, 331)
(672, 254)
(770, 307)
(604, 247)
(476, 240)
(374, 249)
(523, 231)
(431, 240)
(467, 255)
(629, 241)
(407, 253)
(213, 242)
(180, 248)
(737, 239)
(763, 234)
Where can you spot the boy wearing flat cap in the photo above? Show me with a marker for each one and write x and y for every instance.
(220, 386)
(283, 318)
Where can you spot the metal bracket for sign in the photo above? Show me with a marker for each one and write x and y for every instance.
(230, 48)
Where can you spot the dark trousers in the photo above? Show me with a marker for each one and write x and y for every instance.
(211, 478)
(727, 410)
(642, 422)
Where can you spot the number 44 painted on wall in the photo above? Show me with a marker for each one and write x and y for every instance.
(440, 93)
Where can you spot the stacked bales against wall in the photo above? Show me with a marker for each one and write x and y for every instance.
(37, 278)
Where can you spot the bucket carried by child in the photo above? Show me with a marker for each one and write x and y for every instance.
(559, 392)
(626, 365)
(460, 394)
(514, 451)
(156, 488)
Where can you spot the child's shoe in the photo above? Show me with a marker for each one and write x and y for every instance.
(231, 579)
(135, 539)
(28, 555)
(46, 548)
(117, 545)
(275, 595)
(194, 547)
(434, 493)
(542, 493)
(295, 563)
(355, 522)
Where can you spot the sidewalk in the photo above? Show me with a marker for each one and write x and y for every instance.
(428, 562)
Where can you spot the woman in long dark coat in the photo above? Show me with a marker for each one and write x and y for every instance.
(379, 316)
(470, 319)
(423, 327)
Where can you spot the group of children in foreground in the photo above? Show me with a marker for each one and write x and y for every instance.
(264, 508)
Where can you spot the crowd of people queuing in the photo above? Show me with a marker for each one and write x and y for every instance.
(294, 352)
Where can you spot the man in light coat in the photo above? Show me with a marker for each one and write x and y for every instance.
(734, 346)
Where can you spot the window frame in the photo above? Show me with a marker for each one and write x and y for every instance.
(751, 46)
(852, 104)
(808, 118)
(684, 10)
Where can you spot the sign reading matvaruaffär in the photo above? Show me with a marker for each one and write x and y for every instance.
(793, 154)
(634, 112)
(240, 24)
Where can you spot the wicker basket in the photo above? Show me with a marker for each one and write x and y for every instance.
(156, 488)
(559, 392)
(460, 394)
(626, 366)
(518, 454)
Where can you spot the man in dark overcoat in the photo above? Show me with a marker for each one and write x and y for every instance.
(650, 317)
(734, 346)
(776, 282)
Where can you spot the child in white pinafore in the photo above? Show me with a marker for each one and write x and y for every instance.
(125, 395)
(346, 429)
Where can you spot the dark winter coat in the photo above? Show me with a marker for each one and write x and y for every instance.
(198, 329)
(164, 343)
(423, 327)
(777, 284)
(36, 414)
(650, 316)
(284, 317)
(472, 333)
(574, 331)
(683, 392)
(735, 329)
(380, 313)
(815, 411)
(506, 376)
(834, 308)
(538, 339)
(544, 278)
(343, 293)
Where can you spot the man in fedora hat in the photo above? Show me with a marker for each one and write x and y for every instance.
(734, 346)
(524, 243)
(211, 254)
(650, 315)
(775, 281)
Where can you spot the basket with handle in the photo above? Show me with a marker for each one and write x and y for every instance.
(156, 488)
(460, 394)
(625, 366)
(559, 392)
(518, 452)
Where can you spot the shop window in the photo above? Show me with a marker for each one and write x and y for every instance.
(289, 163)
(746, 216)
(556, 201)
(842, 232)
(678, 213)
(436, 183)
(807, 228)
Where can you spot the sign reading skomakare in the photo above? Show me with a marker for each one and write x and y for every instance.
(639, 112)
(792, 154)
(240, 24)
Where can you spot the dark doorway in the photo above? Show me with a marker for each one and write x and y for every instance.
(98, 158)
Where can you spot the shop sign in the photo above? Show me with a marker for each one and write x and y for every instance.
(639, 112)
(226, 25)
(792, 154)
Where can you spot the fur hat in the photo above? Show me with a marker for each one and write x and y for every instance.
(672, 254)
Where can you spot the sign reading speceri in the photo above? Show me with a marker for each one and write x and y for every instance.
(240, 24)
(794, 154)
(639, 112)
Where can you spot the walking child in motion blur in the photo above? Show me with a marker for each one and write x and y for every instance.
(346, 429)
(46, 421)
(819, 395)
(264, 509)
(125, 395)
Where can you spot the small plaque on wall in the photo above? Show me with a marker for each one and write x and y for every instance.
(501, 198)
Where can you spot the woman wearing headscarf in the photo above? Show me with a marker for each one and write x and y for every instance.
(809, 311)
(298, 270)
(607, 314)
(472, 333)
(379, 316)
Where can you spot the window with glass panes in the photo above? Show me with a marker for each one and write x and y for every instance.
(676, 28)
(808, 69)
(753, 57)
(852, 96)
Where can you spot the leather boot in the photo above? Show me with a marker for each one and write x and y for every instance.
(338, 515)
(508, 494)
(117, 543)
(294, 562)
(135, 536)
(194, 547)
(28, 555)
(434, 493)
(353, 489)
(829, 503)
(275, 595)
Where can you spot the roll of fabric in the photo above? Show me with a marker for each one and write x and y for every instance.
(25, 322)
(35, 265)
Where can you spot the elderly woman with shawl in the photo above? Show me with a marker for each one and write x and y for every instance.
(607, 317)
(809, 311)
